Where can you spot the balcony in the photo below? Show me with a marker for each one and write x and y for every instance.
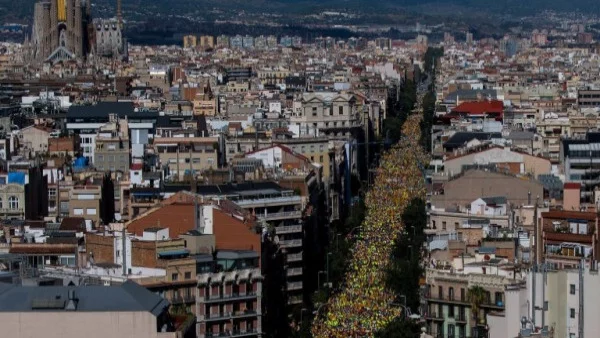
(294, 272)
(266, 202)
(244, 333)
(212, 317)
(183, 299)
(296, 257)
(232, 297)
(491, 305)
(435, 316)
(288, 229)
(461, 318)
(292, 286)
(446, 299)
(235, 333)
(567, 237)
(292, 243)
(229, 315)
(280, 215)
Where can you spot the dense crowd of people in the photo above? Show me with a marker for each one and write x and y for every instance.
(364, 304)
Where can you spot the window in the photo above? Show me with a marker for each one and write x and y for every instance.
(118, 253)
(321, 159)
(455, 225)
(498, 298)
(174, 276)
(13, 202)
(441, 292)
(188, 275)
(461, 331)
(462, 294)
(91, 211)
(451, 293)
(572, 311)
(450, 330)
(78, 212)
(433, 224)
(444, 225)
(572, 289)
(314, 111)
(341, 110)
(451, 311)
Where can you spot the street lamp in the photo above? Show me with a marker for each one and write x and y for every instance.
(319, 278)
(328, 254)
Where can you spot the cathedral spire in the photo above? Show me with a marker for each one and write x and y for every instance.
(119, 14)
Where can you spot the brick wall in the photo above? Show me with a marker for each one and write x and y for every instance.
(143, 253)
(101, 246)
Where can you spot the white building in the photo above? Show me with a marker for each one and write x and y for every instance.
(489, 206)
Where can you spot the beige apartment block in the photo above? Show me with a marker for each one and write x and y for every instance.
(185, 156)
(84, 201)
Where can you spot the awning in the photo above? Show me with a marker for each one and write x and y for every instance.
(173, 253)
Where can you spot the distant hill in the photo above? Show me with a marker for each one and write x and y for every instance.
(22, 10)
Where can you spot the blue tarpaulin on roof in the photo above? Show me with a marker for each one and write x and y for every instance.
(16, 178)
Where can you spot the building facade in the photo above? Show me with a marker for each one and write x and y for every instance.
(60, 30)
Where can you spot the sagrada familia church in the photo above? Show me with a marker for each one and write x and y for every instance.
(64, 30)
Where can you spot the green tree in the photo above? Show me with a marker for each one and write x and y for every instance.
(403, 275)
(476, 296)
(392, 129)
(428, 120)
(399, 328)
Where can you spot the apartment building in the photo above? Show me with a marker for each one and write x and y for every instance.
(153, 253)
(581, 162)
(272, 76)
(471, 184)
(327, 113)
(12, 201)
(281, 210)
(448, 306)
(506, 159)
(588, 98)
(85, 201)
(34, 139)
(112, 147)
(568, 237)
(229, 295)
(186, 156)
(551, 128)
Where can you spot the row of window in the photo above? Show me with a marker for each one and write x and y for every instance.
(498, 296)
(88, 211)
(340, 111)
(13, 203)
